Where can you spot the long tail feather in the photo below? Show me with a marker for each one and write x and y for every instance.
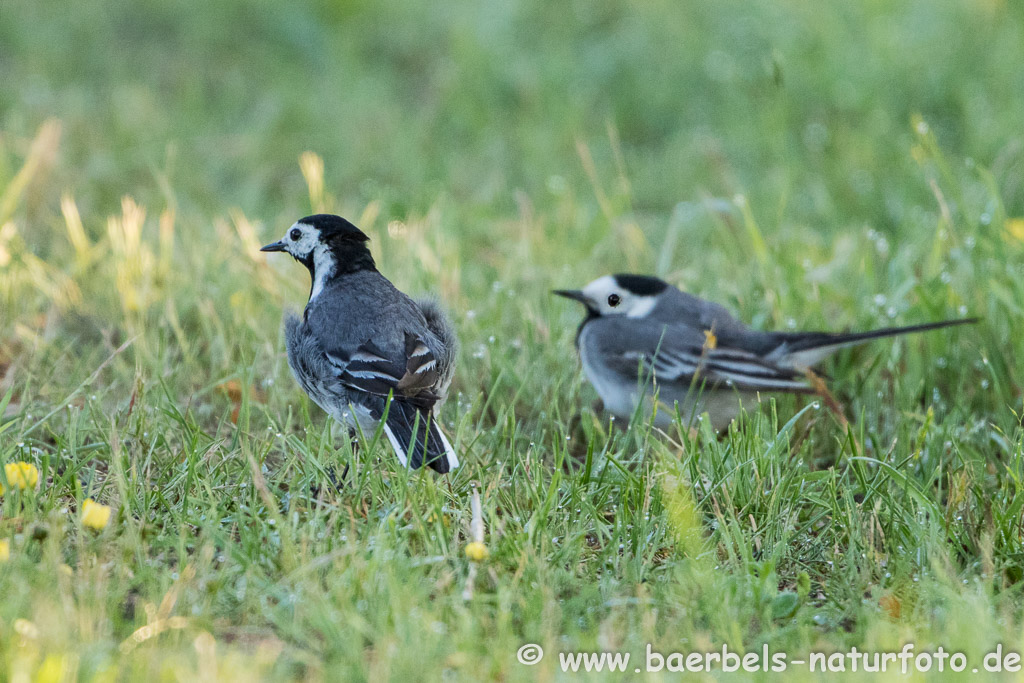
(806, 349)
(418, 439)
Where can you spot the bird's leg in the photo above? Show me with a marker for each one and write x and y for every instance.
(337, 482)
(821, 389)
(332, 473)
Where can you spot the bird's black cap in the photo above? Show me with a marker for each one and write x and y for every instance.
(641, 285)
(331, 226)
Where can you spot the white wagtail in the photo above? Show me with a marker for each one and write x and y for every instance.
(643, 337)
(364, 350)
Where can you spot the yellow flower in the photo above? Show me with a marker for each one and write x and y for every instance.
(52, 670)
(5, 550)
(1015, 227)
(95, 515)
(710, 340)
(477, 551)
(22, 475)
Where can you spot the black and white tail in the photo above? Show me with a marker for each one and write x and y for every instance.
(417, 438)
(804, 350)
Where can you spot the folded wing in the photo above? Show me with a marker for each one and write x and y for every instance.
(405, 393)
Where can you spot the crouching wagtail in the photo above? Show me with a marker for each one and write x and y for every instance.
(642, 336)
(365, 351)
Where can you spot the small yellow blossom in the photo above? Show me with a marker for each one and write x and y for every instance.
(710, 340)
(22, 475)
(477, 551)
(5, 550)
(95, 515)
(1015, 227)
(52, 670)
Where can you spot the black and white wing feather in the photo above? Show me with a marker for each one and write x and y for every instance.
(742, 370)
(406, 394)
(680, 355)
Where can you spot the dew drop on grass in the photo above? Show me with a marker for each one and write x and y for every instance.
(962, 311)
(879, 299)
(985, 384)
(946, 277)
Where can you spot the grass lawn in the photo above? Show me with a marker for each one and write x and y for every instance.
(814, 165)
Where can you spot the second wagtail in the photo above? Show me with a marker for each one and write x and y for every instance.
(643, 338)
(365, 351)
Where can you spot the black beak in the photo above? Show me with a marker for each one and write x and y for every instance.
(273, 246)
(574, 294)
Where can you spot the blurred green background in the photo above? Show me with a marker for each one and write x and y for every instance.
(827, 165)
(806, 108)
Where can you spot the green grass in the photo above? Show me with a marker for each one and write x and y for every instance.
(839, 165)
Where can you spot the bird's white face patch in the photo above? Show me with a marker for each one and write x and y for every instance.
(303, 242)
(608, 298)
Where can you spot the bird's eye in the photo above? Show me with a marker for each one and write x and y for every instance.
(614, 300)
(295, 234)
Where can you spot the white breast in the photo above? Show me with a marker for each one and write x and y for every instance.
(323, 265)
(619, 398)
